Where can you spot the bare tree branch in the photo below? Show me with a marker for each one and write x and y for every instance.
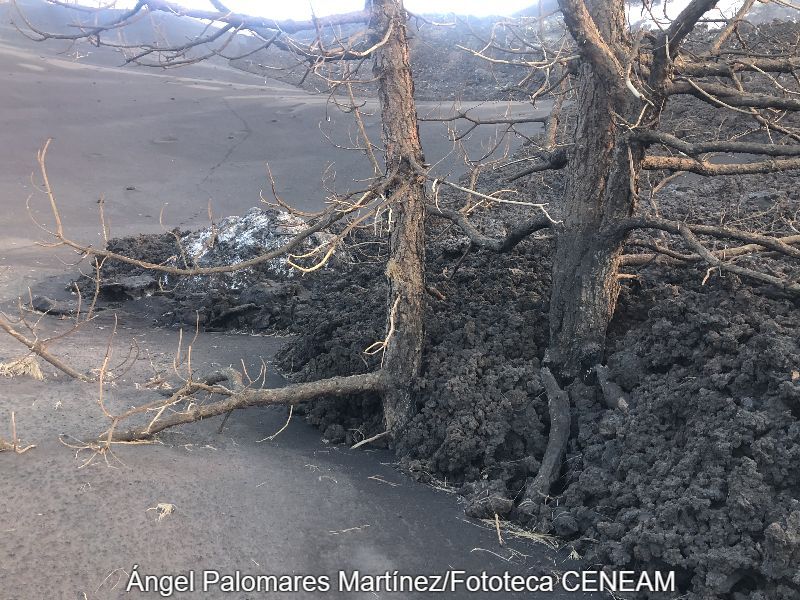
(693, 149)
(694, 244)
(334, 214)
(708, 169)
(725, 96)
(677, 258)
(725, 67)
(765, 241)
(591, 44)
(731, 26)
(553, 160)
(685, 23)
(479, 240)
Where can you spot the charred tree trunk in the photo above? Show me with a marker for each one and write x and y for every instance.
(405, 271)
(585, 286)
(601, 188)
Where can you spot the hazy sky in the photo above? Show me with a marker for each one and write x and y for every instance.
(294, 9)
(300, 9)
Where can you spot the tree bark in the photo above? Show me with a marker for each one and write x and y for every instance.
(600, 190)
(598, 193)
(402, 360)
(602, 185)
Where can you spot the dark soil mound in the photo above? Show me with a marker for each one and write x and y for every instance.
(701, 475)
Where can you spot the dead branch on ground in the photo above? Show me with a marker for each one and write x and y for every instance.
(14, 445)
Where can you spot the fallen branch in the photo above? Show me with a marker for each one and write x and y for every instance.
(38, 348)
(291, 394)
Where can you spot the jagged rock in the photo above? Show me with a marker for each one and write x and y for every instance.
(130, 287)
(782, 549)
(334, 433)
(564, 524)
(52, 307)
(485, 499)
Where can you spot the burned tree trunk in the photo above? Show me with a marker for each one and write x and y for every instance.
(585, 284)
(600, 191)
(405, 271)
(602, 184)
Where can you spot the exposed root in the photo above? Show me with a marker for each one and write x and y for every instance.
(558, 405)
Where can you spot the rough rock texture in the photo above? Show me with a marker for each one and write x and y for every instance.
(700, 475)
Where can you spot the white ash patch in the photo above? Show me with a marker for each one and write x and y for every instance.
(236, 239)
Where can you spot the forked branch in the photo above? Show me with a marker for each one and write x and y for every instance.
(479, 240)
(342, 207)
